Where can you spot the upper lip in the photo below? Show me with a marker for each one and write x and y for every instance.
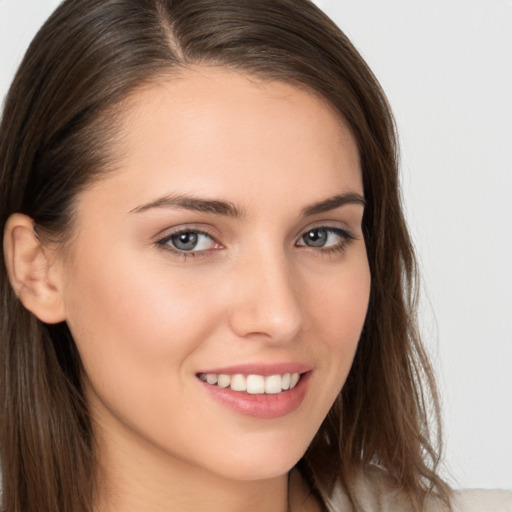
(264, 369)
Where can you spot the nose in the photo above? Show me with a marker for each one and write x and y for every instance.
(266, 300)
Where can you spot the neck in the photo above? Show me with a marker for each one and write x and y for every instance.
(135, 477)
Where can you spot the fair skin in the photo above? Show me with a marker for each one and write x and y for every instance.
(227, 241)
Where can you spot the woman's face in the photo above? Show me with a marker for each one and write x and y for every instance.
(225, 247)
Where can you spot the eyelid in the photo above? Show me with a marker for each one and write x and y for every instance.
(204, 229)
(345, 235)
(330, 225)
(163, 238)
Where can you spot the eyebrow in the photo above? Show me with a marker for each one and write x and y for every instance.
(187, 202)
(227, 208)
(334, 202)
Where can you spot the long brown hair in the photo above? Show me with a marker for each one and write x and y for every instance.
(56, 136)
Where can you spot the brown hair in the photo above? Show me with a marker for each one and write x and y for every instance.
(56, 135)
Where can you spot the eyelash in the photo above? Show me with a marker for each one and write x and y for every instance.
(164, 243)
(345, 238)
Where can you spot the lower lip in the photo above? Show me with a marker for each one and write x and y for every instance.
(263, 406)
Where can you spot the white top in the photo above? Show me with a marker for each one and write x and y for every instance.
(482, 500)
(374, 492)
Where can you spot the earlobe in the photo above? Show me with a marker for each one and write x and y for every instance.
(32, 273)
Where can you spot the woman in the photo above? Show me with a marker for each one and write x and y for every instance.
(208, 285)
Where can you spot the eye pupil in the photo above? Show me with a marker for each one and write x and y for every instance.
(185, 241)
(315, 238)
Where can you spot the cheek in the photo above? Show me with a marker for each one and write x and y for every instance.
(136, 326)
(338, 311)
(131, 319)
(340, 303)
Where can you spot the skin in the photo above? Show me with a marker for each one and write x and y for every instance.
(146, 319)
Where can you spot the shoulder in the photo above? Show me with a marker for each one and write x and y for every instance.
(480, 500)
(371, 489)
(374, 490)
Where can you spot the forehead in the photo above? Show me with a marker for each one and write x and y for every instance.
(216, 132)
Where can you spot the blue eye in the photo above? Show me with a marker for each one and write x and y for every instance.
(324, 238)
(189, 241)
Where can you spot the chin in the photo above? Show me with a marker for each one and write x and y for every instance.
(255, 470)
(262, 461)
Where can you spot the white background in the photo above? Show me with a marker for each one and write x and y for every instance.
(446, 66)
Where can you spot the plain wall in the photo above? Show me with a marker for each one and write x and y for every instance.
(446, 66)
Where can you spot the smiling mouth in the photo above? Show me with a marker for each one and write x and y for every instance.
(253, 384)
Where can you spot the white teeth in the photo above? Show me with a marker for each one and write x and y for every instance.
(273, 384)
(211, 378)
(224, 381)
(253, 384)
(238, 383)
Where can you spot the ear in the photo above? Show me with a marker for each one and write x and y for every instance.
(33, 269)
